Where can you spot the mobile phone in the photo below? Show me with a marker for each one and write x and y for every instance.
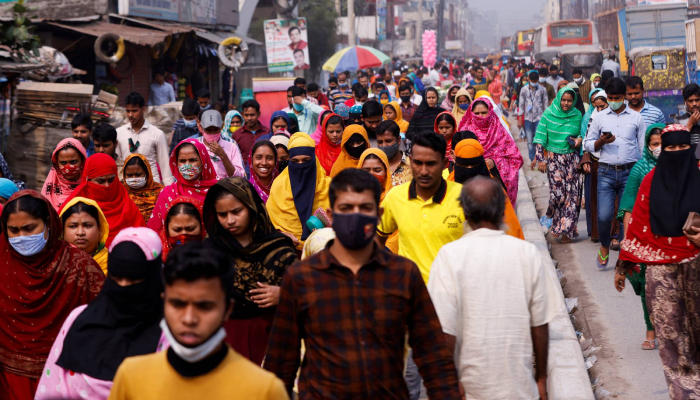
(571, 140)
(607, 134)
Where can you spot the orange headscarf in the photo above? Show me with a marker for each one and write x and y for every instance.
(470, 148)
(386, 184)
(145, 197)
(344, 159)
(402, 123)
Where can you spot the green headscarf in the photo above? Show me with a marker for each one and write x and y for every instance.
(587, 116)
(557, 125)
(638, 172)
(293, 123)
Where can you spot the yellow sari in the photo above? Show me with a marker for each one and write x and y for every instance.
(344, 160)
(101, 253)
(281, 206)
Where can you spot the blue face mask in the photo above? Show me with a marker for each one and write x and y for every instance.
(534, 84)
(29, 245)
(206, 108)
(616, 105)
(191, 124)
(464, 106)
(298, 107)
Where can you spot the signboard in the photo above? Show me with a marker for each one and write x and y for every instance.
(569, 32)
(453, 44)
(287, 45)
(208, 12)
(381, 19)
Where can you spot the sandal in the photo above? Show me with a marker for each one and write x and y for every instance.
(654, 344)
(600, 260)
(615, 245)
(565, 240)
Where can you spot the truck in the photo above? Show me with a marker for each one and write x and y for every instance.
(653, 25)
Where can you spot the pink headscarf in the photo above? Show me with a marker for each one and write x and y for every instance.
(196, 189)
(56, 188)
(145, 238)
(498, 144)
(316, 136)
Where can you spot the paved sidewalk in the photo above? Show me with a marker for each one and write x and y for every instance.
(614, 320)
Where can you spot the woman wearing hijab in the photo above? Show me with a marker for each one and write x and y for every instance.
(299, 190)
(138, 180)
(462, 101)
(423, 118)
(450, 98)
(123, 321)
(641, 168)
(375, 162)
(656, 238)
(238, 224)
(446, 126)
(497, 142)
(5, 173)
(342, 110)
(293, 123)
(7, 189)
(318, 133)
(263, 167)
(85, 227)
(469, 162)
(589, 165)
(101, 184)
(392, 112)
(486, 96)
(194, 174)
(67, 167)
(329, 146)
(281, 143)
(183, 223)
(45, 278)
(355, 141)
(559, 132)
(232, 122)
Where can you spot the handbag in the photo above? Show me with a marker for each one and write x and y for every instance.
(693, 220)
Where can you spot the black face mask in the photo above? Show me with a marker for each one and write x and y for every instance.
(282, 165)
(356, 151)
(405, 99)
(463, 174)
(354, 231)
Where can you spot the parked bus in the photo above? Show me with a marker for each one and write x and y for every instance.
(521, 43)
(556, 37)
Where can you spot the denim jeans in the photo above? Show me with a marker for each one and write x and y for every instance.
(611, 183)
(530, 129)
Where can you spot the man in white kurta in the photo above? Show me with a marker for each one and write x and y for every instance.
(489, 289)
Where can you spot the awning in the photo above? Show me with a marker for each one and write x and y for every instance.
(139, 36)
(218, 36)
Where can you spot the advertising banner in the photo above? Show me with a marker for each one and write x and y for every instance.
(287, 45)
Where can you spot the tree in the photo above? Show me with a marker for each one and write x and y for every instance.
(321, 20)
(17, 33)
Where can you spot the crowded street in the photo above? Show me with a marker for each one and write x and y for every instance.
(323, 199)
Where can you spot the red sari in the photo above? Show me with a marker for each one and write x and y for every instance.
(641, 246)
(326, 151)
(165, 239)
(114, 201)
(37, 294)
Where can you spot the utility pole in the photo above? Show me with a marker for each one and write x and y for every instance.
(351, 22)
(337, 7)
(417, 45)
(440, 26)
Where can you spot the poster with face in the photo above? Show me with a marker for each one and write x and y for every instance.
(286, 43)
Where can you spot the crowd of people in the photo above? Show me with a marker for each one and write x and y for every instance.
(343, 249)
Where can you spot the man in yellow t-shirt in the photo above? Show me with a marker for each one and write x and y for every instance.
(425, 211)
(198, 299)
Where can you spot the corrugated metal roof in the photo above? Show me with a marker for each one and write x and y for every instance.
(140, 36)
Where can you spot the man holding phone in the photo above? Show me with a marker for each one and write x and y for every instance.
(618, 133)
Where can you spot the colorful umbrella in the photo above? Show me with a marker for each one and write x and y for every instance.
(354, 58)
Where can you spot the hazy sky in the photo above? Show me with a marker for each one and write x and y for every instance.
(513, 15)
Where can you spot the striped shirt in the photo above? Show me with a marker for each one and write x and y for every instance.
(694, 132)
(338, 96)
(652, 115)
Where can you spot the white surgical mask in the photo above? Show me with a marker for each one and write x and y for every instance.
(136, 183)
(542, 80)
(578, 80)
(193, 354)
(29, 245)
(656, 152)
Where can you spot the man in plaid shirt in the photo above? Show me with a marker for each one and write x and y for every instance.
(353, 304)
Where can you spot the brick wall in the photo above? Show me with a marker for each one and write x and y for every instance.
(61, 9)
(140, 80)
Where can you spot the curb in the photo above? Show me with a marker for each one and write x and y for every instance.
(567, 377)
